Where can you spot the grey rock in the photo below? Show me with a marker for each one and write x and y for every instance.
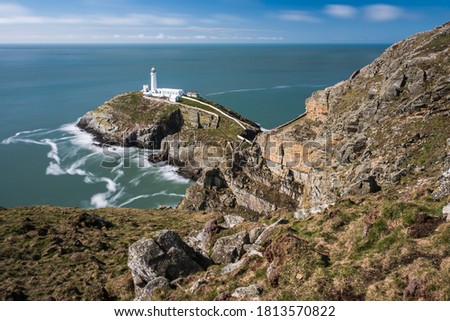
(140, 255)
(255, 233)
(251, 292)
(397, 176)
(197, 285)
(165, 256)
(146, 293)
(228, 200)
(200, 242)
(229, 249)
(233, 266)
(446, 212)
(253, 250)
(231, 221)
(265, 234)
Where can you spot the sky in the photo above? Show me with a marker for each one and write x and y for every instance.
(216, 21)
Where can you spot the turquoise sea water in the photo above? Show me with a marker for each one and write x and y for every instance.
(45, 159)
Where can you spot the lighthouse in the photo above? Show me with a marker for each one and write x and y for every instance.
(153, 83)
(172, 94)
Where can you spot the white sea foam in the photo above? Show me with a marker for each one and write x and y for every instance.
(169, 173)
(54, 169)
(53, 153)
(13, 139)
(79, 137)
(259, 89)
(74, 152)
(99, 200)
(134, 199)
(167, 194)
(235, 91)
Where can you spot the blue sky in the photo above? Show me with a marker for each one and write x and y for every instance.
(216, 21)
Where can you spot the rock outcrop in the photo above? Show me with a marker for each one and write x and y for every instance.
(386, 123)
(194, 135)
(166, 257)
(229, 249)
(116, 123)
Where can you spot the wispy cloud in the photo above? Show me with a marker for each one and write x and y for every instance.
(11, 13)
(8, 9)
(297, 16)
(341, 11)
(383, 12)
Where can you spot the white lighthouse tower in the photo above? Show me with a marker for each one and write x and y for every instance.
(172, 94)
(153, 82)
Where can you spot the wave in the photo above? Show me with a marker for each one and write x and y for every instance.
(169, 173)
(134, 199)
(167, 194)
(235, 91)
(269, 88)
(73, 151)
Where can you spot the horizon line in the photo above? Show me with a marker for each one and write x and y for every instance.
(194, 44)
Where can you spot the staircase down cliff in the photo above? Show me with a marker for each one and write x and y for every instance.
(370, 159)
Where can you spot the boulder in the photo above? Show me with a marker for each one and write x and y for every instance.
(263, 237)
(255, 233)
(197, 285)
(229, 249)
(140, 255)
(167, 255)
(87, 220)
(233, 266)
(253, 250)
(231, 221)
(146, 293)
(251, 292)
(212, 228)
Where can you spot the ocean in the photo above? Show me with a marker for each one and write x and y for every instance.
(46, 160)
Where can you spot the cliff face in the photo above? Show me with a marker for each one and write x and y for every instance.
(387, 124)
(193, 134)
(370, 158)
(131, 120)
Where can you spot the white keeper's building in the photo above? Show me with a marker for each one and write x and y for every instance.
(171, 93)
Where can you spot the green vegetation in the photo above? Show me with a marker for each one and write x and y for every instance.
(439, 43)
(133, 107)
(64, 253)
(374, 248)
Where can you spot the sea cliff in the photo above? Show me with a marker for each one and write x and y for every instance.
(349, 201)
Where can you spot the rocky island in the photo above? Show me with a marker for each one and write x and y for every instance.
(349, 201)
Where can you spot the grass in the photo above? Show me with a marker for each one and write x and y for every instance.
(134, 108)
(358, 249)
(78, 263)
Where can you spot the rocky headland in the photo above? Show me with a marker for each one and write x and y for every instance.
(349, 201)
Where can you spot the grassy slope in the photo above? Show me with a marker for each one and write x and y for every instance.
(132, 108)
(386, 246)
(49, 251)
(380, 247)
